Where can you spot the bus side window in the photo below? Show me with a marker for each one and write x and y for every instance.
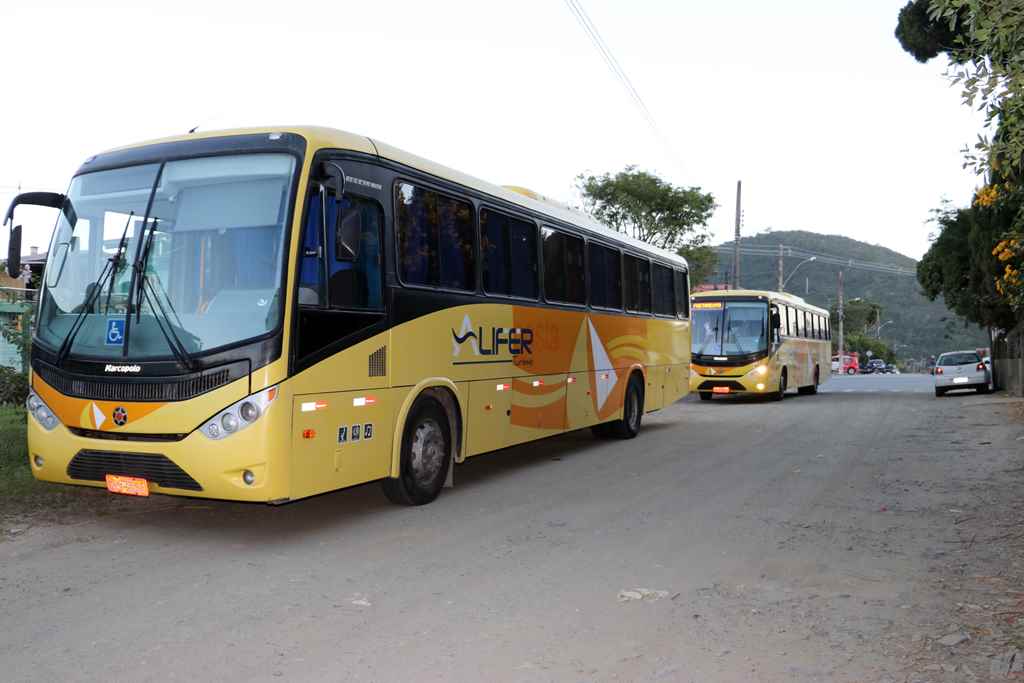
(682, 293)
(436, 244)
(637, 280)
(664, 292)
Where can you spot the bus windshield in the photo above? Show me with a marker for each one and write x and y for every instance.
(212, 233)
(729, 328)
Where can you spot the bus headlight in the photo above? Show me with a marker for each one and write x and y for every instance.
(238, 416)
(39, 410)
(761, 370)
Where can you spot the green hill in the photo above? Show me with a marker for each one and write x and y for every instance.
(920, 327)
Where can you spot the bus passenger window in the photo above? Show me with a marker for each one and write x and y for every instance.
(563, 267)
(605, 276)
(508, 250)
(682, 293)
(664, 293)
(637, 277)
(435, 239)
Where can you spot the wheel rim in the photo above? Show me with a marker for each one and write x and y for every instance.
(633, 406)
(427, 451)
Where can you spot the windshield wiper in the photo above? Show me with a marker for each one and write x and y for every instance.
(172, 338)
(109, 271)
(155, 303)
(138, 253)
(118, 258)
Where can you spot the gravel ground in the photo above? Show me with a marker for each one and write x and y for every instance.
(870, 533)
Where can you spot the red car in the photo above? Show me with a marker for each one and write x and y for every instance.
(851, 363)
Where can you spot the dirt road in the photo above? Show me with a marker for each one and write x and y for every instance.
(730, 541)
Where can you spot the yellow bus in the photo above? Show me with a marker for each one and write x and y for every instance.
(268, 314)
(757, 343)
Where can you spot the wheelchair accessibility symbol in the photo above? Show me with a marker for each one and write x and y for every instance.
(115, 332)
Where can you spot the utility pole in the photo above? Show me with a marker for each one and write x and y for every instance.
(780, 269)
(839, 313)
(736, 243)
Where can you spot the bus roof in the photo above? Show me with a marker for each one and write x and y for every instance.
(791, 299)
(329, 138)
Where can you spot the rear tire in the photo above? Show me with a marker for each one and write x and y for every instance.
(425, 456)
(939, 393)
(705, 395)
(812, 389)
(632, 410)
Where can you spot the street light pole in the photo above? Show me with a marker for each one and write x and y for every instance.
(792, 272)
(878, 330)
(839, 314)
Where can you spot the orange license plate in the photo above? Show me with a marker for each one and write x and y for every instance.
(129, 486)
(720, 390)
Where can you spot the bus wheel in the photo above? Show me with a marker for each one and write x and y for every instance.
(813, 389)
(783, 385)
(705, 395)
(632, 410)
(425, 457)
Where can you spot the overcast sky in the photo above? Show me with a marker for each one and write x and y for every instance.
(814, 105)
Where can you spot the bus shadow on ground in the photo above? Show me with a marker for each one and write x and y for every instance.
(355, 508)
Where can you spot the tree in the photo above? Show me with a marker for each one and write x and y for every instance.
(862, 343)
(702, 260)
(859, 315)
(920, 35)
(647, 208)
(960, 266)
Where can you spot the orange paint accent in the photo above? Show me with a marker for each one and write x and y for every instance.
(551, 416)
(77, 412)
(272, 394)
(527, 387)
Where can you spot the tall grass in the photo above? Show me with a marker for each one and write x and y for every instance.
(15, 476)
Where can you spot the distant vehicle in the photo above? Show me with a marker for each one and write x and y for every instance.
(961, 370)
(874, 366)
(756, 342)
(851, 364)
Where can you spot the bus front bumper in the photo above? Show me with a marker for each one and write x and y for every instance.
(755, 378)
(194, 466)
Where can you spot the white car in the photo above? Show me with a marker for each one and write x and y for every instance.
(961, 370)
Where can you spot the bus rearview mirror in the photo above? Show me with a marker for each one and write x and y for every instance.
(335, 175)
(14, 253)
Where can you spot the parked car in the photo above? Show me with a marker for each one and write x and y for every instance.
(874, 366)
(961, 370)
(851, 364)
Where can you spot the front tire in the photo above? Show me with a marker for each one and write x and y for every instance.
(425, 456)
(783, 385)
(939, 393)
(851, 371)
(705, 395)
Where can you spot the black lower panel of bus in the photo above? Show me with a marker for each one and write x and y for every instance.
(96, 465)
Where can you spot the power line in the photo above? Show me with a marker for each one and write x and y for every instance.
(885, 268)
(584, 20)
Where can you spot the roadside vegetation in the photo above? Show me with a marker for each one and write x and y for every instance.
(976, 257)
(15, 476)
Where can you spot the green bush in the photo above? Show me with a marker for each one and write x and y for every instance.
(13, 386)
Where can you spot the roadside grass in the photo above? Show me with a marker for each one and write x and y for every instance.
(21, 496)
(16, 480)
